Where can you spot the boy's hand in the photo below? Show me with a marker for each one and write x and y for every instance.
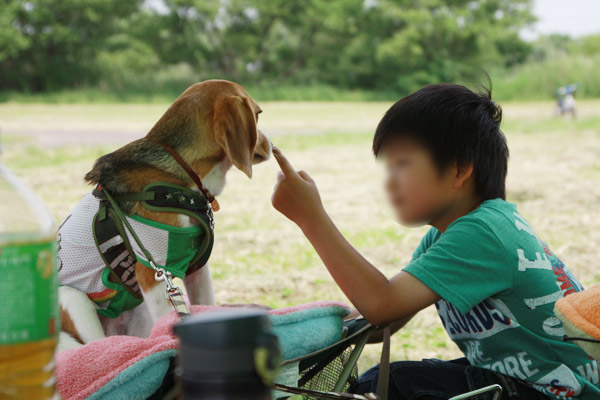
(295, 194)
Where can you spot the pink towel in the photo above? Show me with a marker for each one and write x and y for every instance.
(82, 371)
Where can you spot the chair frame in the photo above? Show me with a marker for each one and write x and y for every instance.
(359, 338)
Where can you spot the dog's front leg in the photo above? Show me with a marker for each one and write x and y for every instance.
(199, 287)
(79, 319)
(153, 292)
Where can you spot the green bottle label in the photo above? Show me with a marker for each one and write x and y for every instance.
(28, 292)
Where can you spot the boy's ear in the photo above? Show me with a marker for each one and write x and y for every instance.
(463, 172)
(235, 130)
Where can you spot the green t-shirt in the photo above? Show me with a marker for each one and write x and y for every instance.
(499, 282)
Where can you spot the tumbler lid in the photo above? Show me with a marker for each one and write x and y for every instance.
(228, 328)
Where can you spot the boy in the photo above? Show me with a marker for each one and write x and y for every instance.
(493, 281)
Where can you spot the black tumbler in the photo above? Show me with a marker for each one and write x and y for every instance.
(226, 355)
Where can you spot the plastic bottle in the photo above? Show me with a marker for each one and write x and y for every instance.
(29, 317)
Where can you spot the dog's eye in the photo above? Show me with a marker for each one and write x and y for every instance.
(258, 157)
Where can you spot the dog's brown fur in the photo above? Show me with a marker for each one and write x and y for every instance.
(67, 325)
(211, 120)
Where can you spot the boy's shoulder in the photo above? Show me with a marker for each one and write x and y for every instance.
(494, 218)
(491, 212)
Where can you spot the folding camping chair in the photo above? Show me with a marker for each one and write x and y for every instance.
(330, 372)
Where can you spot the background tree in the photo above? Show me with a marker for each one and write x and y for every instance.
(374, 45)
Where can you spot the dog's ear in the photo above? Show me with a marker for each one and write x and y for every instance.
(235, 130)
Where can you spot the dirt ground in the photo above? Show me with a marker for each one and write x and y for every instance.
(259, 256)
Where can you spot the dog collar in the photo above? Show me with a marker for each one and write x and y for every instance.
(195, 178)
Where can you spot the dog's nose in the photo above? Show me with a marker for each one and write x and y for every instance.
(263, 149)
(270, 145)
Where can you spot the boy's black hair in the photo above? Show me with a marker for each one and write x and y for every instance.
(456, 125)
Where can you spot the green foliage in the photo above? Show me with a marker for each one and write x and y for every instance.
(124, 60)
(11, 42)
(56, 41)
(376, 45)
(539, 80)
(556, 60)
(346, 50)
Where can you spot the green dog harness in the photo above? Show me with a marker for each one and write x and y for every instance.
(99, 258)
(177, 250)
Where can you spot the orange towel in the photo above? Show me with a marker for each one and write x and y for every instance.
(580, 314)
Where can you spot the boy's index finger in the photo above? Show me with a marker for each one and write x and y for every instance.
(286, 167)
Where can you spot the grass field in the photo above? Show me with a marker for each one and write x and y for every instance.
(259, 256)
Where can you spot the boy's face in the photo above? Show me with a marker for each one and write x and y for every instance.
(416, 189)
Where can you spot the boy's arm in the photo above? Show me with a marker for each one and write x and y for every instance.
(378, 299)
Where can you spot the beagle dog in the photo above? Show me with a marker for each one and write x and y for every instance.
(107, 288)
